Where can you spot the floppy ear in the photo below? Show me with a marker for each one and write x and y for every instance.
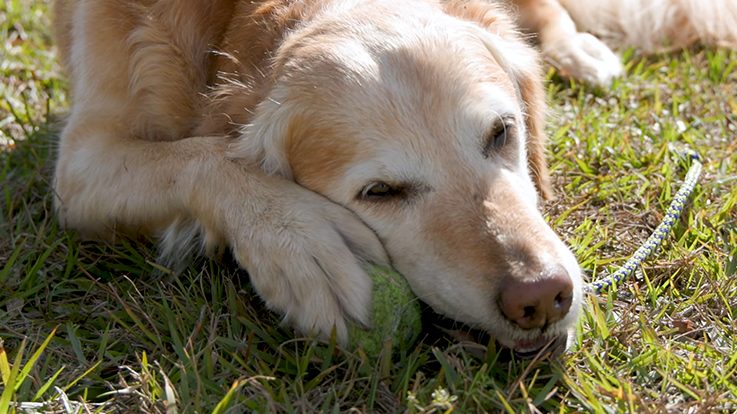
(533, 96)
(262, 141)
(521, 62)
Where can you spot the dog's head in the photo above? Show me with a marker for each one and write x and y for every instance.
(428, 125)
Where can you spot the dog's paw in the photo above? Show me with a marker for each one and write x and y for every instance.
(584, 57)
(305, 256)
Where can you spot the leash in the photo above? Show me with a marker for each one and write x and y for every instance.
(672, 214)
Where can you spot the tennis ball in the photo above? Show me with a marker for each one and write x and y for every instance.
(395, 315)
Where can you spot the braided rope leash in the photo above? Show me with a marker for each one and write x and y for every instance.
(672, 214)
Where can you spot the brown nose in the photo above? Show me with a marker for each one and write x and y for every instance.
(540, 302)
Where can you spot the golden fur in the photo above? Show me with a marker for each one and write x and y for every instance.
(260, 126)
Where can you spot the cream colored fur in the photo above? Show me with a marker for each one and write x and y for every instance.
(576, 35)
(657, 25)
(258, 127)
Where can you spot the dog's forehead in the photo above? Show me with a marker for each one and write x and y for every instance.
(428, 62)
(429, 80)
(442, 55)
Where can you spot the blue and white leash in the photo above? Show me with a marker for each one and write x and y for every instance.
(651, 244)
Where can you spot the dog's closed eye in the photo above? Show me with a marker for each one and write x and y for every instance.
(501, 133)
(381, 191)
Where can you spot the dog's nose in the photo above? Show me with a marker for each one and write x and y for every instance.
(540, 302)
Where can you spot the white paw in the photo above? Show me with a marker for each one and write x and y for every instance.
(305, 257)
(584, 57)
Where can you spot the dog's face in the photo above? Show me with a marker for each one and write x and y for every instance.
(423, 132)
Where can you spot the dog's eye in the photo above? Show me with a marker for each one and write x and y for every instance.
(499, 135)
(379, 190)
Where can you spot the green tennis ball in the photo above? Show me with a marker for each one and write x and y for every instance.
(395, 315)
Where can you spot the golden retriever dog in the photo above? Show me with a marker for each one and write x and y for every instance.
(310, 137)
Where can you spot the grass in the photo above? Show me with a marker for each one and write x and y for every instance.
(89, 327)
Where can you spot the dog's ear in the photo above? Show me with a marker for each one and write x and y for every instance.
(533, 94)
(500, 36)
(262, 141)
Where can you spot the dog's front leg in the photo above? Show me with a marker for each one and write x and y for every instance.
(304, 253)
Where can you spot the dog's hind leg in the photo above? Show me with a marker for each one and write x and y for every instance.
(658, 25)
(575, 54)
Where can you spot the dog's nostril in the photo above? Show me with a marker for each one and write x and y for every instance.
(558, 300)
(540, 302)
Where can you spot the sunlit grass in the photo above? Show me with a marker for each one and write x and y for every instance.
(90, 325)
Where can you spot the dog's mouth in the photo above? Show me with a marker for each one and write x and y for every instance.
(550, 345)
(529, 348)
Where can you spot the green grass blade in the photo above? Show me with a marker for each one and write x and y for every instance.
(11, 384)
(32, 361)
(4, 365)
(225, 402)
(10, 264)
(83, 375)
(45, 387)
